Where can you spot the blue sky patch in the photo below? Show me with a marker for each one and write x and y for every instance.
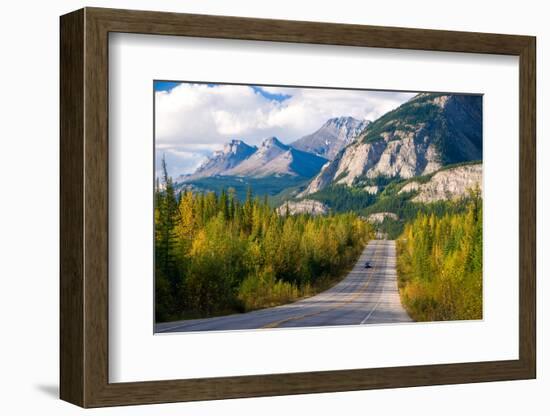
(165, 85)
(270, 96)
(169, 85)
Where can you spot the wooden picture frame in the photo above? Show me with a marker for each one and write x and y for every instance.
(84, 207)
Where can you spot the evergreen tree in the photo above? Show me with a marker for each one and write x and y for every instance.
(167, 217)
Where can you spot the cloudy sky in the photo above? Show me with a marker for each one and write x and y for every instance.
(192, 120)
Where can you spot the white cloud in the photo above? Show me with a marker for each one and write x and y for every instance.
(192, 120)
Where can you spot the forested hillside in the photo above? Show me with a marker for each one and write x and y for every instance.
(216, 255)
(440, 265)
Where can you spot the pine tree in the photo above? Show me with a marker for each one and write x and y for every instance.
(167, 216)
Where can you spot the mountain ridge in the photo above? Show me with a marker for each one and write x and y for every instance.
(303, 157)
(335, 134)
(232, 154)
(273, 158)
(270, 158)
(427, 132)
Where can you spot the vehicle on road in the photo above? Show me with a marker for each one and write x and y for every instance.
(368, 265)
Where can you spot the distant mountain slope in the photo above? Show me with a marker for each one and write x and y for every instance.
(232, 154)
(331, 137)
(271, 158)
(274, 158)
(273, 186)
(417, 138)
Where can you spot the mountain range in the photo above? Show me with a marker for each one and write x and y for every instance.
(303, 157)
(274, 158)
(271, 158)
(419, 137)
(423, 135)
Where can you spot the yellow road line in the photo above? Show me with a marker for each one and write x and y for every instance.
(355, 296)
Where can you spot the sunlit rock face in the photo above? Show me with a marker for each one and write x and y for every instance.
(305, 206)
(379, 217)
(448, 184)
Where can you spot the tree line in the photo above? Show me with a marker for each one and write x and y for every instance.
(440, 264)
(216, 254)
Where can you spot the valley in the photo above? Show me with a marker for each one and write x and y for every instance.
(273, 223)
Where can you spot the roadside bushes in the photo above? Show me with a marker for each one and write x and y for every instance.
(263, 290)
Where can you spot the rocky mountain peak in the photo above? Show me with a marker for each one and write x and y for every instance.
(235, 146)
(332, 136)
(272, 142)
(344, 122)
(270, 148)
(231, 154)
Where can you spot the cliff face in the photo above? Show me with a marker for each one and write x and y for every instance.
(418, 138)
(305, 206)
(403, 158)
(448, 184)
(379, 217)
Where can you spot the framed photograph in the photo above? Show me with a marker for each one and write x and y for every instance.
(255, 207)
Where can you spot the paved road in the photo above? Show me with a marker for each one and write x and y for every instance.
(365, 296)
